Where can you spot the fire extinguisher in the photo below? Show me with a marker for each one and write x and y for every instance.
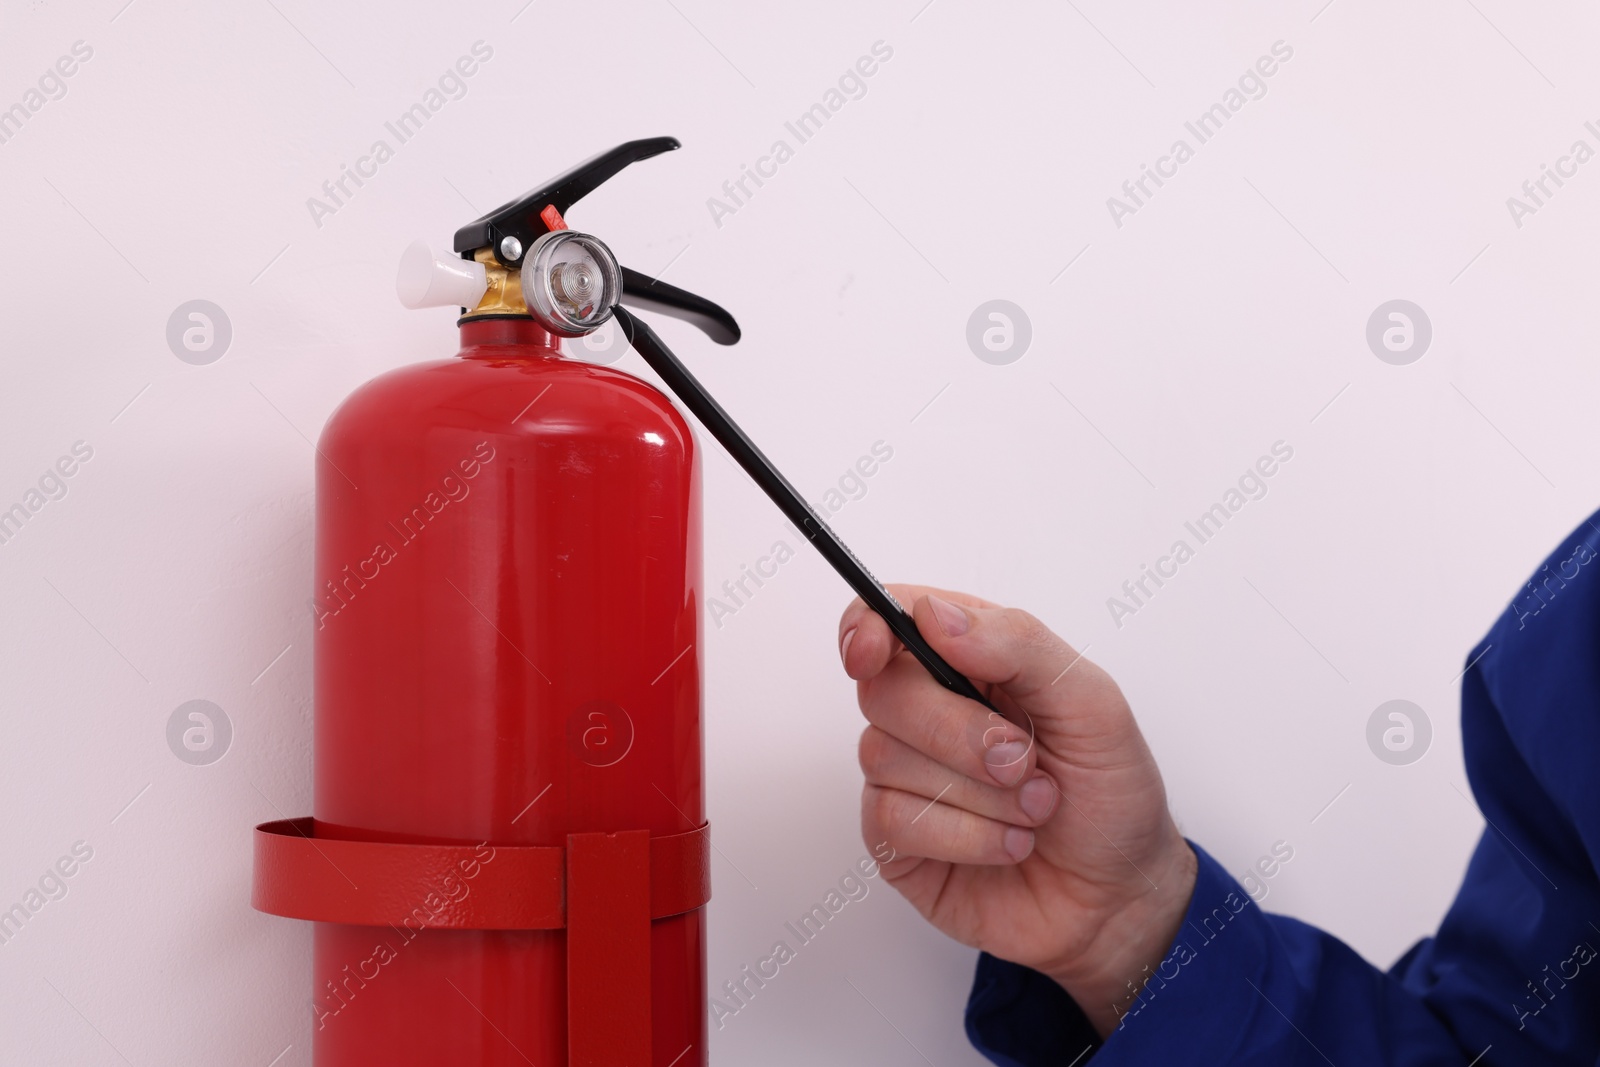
(507, 861)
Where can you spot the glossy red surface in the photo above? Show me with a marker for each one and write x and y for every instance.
(507, 650)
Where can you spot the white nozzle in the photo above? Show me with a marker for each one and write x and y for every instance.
(430, 280)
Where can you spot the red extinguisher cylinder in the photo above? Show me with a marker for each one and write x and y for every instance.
(507, 687)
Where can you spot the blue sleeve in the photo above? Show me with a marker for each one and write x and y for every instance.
(1511, 977)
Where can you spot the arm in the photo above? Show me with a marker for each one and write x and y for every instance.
(1102, 940)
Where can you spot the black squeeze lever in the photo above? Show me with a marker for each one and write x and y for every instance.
(791, 503)
(510, 230)
(650, 294)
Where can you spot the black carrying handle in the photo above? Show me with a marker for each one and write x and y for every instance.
(694, 396)
(520, 218)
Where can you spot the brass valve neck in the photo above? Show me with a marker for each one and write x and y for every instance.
(503, 298)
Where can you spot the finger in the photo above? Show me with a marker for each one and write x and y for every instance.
(866, 644)
(916, 826)
(905, 702)
(888, 762)
(1027, 662)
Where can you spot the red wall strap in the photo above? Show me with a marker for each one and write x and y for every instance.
(608, 949)
(301, 875)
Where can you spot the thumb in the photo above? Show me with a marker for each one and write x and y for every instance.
(1022, 658)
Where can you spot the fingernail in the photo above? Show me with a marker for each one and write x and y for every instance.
(951, 619)
(1038, 798)
(844, 646)
(1018, 842)
(1007, 762)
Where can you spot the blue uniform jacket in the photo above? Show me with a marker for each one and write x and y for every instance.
(1511, 977)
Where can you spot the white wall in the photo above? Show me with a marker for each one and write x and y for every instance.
(1223, 316)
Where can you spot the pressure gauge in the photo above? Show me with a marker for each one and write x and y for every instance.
(571, 282)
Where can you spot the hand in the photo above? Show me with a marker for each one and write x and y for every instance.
(1058, 852)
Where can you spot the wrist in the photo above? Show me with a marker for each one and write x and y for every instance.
(1132, 940)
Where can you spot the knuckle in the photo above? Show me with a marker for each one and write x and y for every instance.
(879, 699)
(870, 824)
(971, 837)
(873, 752)
(1027, 631)
(883, 808)
(947, 739)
